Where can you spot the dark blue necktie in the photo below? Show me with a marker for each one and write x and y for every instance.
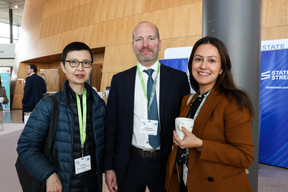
(154, 140)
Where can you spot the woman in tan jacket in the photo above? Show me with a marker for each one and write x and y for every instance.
(215, 155)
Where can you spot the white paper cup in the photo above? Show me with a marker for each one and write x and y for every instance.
(1, 99)
(183, 122)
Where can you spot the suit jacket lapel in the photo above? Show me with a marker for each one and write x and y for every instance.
(212, 100)
(129, 92)
(164, 91)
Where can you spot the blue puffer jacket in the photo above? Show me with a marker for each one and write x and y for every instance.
(34, 133)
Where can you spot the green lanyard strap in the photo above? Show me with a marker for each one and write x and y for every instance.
(82, 121)
(153, 91)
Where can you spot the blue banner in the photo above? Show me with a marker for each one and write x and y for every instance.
(180, 64)
(273, 141)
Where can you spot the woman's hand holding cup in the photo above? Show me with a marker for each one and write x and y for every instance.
(183, 136)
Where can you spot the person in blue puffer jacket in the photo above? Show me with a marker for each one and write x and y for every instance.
(77, 102)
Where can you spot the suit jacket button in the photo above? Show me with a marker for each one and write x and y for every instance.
(211, 179)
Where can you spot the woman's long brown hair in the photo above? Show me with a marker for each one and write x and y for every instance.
(224, 82)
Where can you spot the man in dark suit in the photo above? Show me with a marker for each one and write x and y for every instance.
(141, 110)
(34, 89)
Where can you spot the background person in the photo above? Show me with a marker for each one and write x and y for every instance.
(81, 113)
(34, 89)
(3, 94)
(219, 149)
(134, 157)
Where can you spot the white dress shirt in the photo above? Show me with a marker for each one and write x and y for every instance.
(141, 140)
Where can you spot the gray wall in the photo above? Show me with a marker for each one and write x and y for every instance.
(238, 24)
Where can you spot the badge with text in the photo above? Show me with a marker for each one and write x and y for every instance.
(82, 164)
(149, 127)
(185, 174)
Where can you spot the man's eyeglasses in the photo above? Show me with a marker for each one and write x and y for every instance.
(75, 63)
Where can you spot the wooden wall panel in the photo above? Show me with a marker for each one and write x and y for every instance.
(54, 7)
(62, 78)
(22, 70)
(274, 19)
(106, 80)
(110, 24)
(272, 33)
(48, 26)
(55, 44)
(51, 78)
(114, 32)
(179, 25)
(32, 13)
(179, 42)
(96, 76)
(110, 20)
(83, 14)
(17, 101)
(164, 4)
(98, 58)
(104, 23)
(118, 58)
(20, 86)
(274, 13)
(119, 31)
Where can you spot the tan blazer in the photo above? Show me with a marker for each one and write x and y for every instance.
(226, 152)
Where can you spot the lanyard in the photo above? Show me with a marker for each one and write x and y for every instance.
(82, 121)
(153, 91)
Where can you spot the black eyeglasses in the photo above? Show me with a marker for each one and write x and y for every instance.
(76, 63)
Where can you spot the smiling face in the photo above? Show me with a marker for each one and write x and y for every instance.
(206, 66)
(77, 76)
(146, 44)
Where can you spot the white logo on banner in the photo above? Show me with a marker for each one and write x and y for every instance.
(274, 44)
(275, 75)
(265, 75)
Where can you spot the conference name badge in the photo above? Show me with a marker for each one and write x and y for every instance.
(82, 164)
(185, 174)
(149, 127)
